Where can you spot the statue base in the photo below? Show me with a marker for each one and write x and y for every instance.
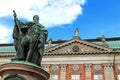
(22, 71)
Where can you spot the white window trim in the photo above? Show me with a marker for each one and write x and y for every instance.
(98, 76)
(75, 76)
(53, 76)
(118, 76)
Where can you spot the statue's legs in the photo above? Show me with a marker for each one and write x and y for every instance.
(21, 53)
(37, 55)
(33, 52)
(40, 52)
(30, 52)
(35, 58)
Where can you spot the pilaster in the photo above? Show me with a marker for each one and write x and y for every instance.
(108, 70)
(63, 71)
(88, 71)
(46, 67)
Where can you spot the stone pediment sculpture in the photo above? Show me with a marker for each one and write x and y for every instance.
(76, 46)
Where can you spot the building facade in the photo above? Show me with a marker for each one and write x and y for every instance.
(77, 59)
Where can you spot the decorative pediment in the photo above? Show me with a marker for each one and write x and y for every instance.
(76, 46)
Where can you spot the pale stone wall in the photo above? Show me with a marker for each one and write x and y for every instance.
(87, 60)
(63, 72)
(46, 67)
(79, 59)
(4, 60)
(108, 70)
(88, 71)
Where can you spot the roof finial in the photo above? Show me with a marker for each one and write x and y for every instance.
(50, 42)
(104, 41)
(76, 34)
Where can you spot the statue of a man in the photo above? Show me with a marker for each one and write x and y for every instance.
(31, 46)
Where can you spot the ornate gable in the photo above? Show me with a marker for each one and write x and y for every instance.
(76, 46)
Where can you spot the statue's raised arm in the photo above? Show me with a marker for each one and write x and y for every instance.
(17, 22)
(16, 31)
(14, 14)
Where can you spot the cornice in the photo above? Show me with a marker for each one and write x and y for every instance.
(68, 53)
(7, 55)
(82, 53)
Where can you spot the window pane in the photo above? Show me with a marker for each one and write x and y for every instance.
(75, 77)
(119, 77)
(95, 77)
(53, 77)
(98, 77)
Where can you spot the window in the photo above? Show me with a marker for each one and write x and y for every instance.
(53, 77)
(98, 77)
(0, 78)
(75, 77)
(119, 77)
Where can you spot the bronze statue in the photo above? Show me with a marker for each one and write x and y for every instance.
(29, 40)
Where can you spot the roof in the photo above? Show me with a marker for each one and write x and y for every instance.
(113, 43)
(7, 48)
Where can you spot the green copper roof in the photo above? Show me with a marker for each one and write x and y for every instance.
(114, 44)
(7, 49)
(11, 49)
(111, 44)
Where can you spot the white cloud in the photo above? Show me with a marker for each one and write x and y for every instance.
(5, 34)
(51, 12)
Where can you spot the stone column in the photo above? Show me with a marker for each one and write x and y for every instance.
(63, 72)
(46, 67)
(108, 70)
(88, 71)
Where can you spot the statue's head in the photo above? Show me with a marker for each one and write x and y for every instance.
(36, 18)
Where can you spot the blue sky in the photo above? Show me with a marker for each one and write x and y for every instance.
(93, 18)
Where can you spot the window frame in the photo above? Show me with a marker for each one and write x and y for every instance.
(118, 76)
(99, 76)
(52, 76)
(76, 75)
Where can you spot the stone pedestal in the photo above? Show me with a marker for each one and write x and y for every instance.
(20, 71)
